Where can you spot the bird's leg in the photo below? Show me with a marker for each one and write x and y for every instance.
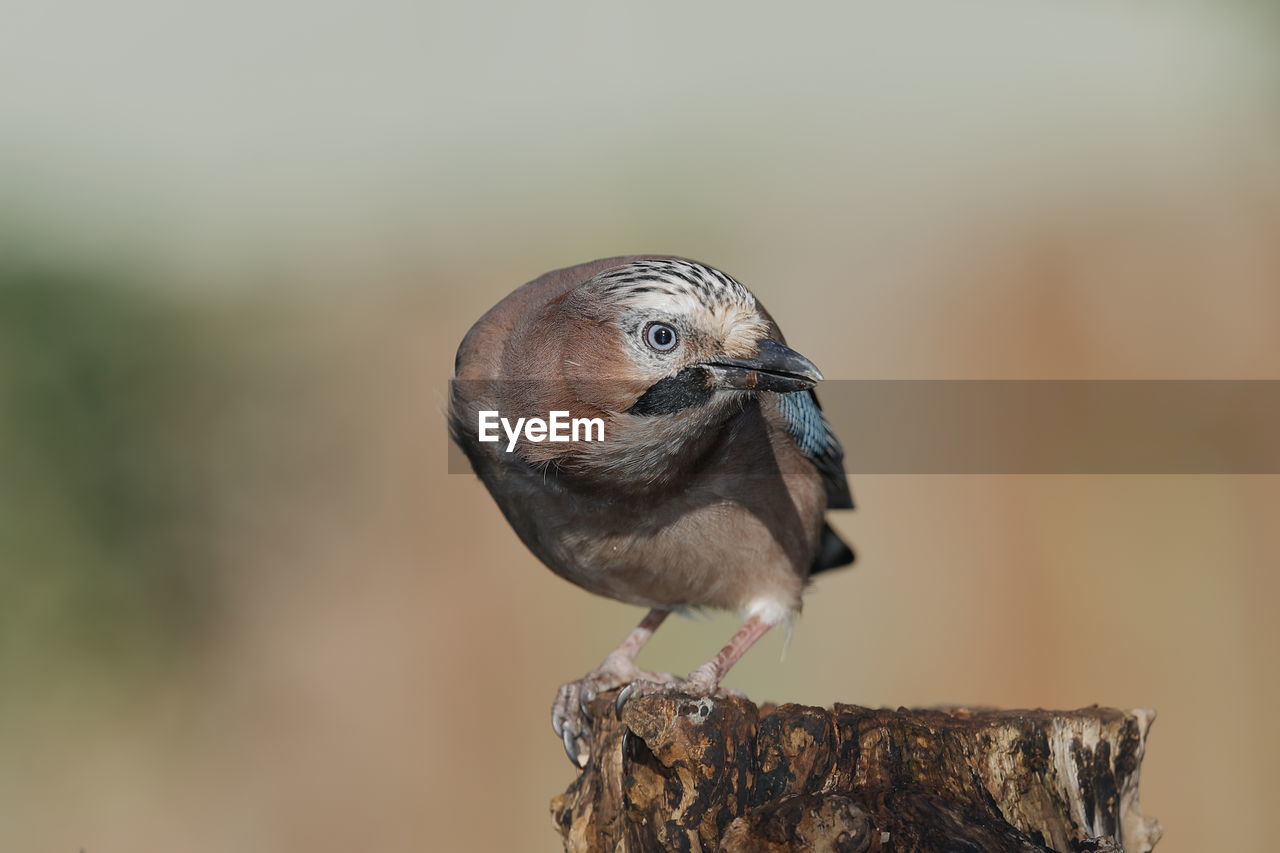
(570, 714)
(708, 675)
(621, 662)
(705, 680)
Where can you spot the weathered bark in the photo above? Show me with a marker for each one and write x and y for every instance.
(679, 773)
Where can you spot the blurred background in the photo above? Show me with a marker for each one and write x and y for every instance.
(243, 607)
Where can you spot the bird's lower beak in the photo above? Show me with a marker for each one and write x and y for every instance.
(775, 368)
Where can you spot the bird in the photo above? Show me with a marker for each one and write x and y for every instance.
(710, 484)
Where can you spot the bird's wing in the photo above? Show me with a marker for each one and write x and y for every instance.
(811, 433)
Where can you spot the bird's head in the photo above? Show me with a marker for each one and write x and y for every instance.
(664, 351)
(670, 336)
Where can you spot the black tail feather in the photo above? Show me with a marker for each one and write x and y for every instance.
(832, 552)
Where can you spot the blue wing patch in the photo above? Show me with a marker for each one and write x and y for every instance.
(810, 431)
(805, 423)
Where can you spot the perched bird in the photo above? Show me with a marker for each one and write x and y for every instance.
(715, 470)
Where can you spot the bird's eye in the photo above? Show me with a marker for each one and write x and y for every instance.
(660, 336)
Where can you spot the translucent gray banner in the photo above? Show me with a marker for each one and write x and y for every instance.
(1050, 426)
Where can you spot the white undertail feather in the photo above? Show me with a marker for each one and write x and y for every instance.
(774, 612)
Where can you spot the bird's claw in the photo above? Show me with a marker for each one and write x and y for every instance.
(636, 689)
(570, 719)
(575, 747)
(692, 686)
(650, 682)
(571, 713)
(623, 695)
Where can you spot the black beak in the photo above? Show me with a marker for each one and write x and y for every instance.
(774, 368)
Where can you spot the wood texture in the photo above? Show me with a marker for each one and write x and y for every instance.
(674, 772)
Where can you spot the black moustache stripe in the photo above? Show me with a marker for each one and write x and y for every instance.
(690, 387)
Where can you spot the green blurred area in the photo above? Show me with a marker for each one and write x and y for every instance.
(110, 392)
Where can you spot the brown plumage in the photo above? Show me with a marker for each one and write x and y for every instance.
(709, 488)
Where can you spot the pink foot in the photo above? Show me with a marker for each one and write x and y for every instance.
(571, 711)
(701, 682)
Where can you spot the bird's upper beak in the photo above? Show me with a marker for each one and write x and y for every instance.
(775, 368)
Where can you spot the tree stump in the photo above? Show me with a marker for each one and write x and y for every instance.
(674, 772)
